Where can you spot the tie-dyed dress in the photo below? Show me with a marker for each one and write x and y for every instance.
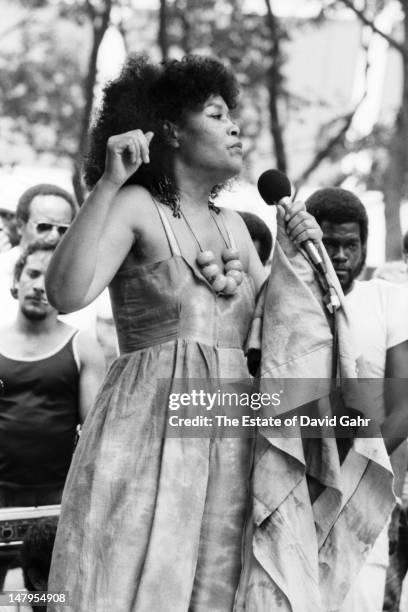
(151, 523)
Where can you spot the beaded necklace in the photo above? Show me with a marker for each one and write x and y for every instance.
(223, 284)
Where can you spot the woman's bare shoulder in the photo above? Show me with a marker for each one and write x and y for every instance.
(133, 203)
(133, 196)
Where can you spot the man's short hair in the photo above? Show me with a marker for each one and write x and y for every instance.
(336, 205)
(34, 247)
(258, 230)
(44, 189)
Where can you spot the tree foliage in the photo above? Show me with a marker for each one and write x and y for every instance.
(48, 95)
(49, 79)
(42, 94)
(246, 41)
(390, 163)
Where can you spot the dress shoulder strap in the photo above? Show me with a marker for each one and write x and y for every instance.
(230, 235)
(171, 238)
(75, 351)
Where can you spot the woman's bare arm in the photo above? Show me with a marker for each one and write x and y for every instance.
(102, 233)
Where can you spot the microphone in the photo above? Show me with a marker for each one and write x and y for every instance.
(275, 188)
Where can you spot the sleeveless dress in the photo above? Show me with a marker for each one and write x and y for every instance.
(152, 523)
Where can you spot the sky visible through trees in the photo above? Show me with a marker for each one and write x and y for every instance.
(50, 79)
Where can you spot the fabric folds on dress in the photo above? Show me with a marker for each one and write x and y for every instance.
(303, 553)
(149, 521)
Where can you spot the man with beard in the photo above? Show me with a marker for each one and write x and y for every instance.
(44, 213)
(49, 376)
(378, 315)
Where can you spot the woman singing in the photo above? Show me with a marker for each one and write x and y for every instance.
(151, 523)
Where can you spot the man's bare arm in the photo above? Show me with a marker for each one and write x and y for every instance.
(395, 426)
(91, 374)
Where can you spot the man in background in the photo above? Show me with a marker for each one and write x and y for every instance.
(396, 271)
(8, 229)
(50, 374)
(260, 234)
(5, 244)
(378, 315)
(44, 212)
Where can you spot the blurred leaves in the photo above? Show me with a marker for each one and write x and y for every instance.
(245, 41)
(46, 85)
(42, 94)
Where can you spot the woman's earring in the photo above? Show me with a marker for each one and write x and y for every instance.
(170, 132)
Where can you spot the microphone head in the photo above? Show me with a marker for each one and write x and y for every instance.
(273, 185)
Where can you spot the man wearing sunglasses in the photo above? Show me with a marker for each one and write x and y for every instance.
(46, 229)
(44, 212)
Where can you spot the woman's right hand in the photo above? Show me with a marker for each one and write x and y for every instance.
(125, 153)
(299, 224)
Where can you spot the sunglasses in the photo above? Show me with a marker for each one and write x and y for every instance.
(45, 227)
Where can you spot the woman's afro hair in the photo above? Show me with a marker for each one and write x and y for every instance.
(146, 96)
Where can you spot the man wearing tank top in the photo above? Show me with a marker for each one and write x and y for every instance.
(49, 376)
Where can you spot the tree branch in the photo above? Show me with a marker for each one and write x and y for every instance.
(99, 27)
(124, 33)
(325, 150)
(273, 84)
(163, 26)
(90, 8)
(370, 23)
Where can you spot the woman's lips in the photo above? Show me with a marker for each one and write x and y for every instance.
(236, 147)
